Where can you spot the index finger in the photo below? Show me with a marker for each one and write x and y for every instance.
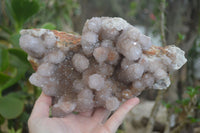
(117, 118)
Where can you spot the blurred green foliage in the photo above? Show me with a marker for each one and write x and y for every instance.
(20, 11)
(185, 107)
(12, 130)
(14, 65)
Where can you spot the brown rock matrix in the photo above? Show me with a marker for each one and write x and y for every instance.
(111, 62)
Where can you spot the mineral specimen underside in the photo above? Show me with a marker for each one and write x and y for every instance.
(111, 62)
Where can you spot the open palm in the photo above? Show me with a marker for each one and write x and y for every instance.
(87, 122)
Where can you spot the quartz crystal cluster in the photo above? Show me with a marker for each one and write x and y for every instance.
(111, 62)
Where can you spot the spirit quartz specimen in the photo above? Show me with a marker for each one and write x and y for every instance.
(111, 62)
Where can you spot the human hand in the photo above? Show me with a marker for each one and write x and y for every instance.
(87, 122)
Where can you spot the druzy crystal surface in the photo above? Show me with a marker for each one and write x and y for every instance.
(109, 63)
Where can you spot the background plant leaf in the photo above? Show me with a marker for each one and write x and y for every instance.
(4, 78)
(21, 10)
(10, 107)
(49, 26)
(18, 60)
(4, 61)
(14, 39)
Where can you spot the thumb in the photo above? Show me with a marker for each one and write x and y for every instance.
(41, 107)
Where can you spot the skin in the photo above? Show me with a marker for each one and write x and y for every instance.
(96, 121)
